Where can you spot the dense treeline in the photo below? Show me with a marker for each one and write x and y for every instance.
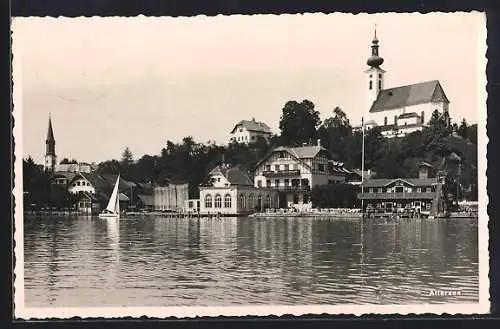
(452, 146)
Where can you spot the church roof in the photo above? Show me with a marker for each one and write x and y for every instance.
(252, 125)
(419, 93)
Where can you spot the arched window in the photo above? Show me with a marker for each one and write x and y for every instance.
(269, 202)
(227, 201)
(241, 201)
(218, 201)
(380, 84)
(385, 121)
(208, 201)
(371, 85)
(251, 201)
(259, 201)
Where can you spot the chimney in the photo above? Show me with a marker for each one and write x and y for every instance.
(319, 142)
(253, 119)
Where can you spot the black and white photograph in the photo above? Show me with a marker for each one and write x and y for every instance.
(250, 165)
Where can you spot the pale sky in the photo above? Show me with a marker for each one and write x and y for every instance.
(138, 82)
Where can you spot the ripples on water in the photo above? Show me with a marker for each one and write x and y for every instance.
(78, 262)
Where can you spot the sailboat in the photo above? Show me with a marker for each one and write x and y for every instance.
(113, 208)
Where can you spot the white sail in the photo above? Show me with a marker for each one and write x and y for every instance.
(113, 200)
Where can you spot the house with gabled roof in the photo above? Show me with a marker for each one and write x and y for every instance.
(230, 191)
(403, 109)
(248, 131)
(294, 171)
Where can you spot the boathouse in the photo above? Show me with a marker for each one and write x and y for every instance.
(413, 196)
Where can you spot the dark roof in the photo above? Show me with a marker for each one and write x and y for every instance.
(300, 153)
(419, 93)
(50, 132)
(382, 182)
(147, 199)
(408, 115)
(68, 175)
(234, 175)
(252, 125)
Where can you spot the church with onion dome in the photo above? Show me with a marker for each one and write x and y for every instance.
(399, 110)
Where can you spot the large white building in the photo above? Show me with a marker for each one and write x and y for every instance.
(399, 110)
(231, 192)
(248, 131)
(293, 171)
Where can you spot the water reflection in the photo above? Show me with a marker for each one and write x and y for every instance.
(167, 262)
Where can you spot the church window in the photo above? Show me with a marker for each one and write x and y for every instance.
(371, 75)
(385, 121)
(380, 84)
(422, 117)
(371, 85)
(380, 76)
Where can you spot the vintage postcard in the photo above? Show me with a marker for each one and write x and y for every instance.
(250, 165)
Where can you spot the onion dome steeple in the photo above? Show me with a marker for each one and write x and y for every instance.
(375, 60)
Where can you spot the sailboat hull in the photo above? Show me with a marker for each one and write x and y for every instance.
(110, 216)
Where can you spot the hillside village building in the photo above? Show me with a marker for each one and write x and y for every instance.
(231, 192)
(246, 132)
(293, 171)
(399, 110)
(422, 195)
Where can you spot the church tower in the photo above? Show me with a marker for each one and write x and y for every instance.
(50, 149)
(374, 75)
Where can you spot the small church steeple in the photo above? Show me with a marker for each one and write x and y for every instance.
(50, 148)
(375, 74)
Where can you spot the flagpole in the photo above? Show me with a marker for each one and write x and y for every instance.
(362, 162)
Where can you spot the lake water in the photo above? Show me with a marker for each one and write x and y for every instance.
(81, 262)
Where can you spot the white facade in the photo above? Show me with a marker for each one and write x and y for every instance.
(234, 200)
(390, 117)
(80, 184)
(246, 132)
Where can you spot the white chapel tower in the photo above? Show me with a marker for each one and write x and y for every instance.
(374, 75)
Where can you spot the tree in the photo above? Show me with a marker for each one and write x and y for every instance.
(334, 133)
(335, 196)
(374, 147)
(462, 130)
(298, 123)
(127, 157)
(436, 132)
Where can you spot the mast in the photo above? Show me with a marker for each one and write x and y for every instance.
(362, 161)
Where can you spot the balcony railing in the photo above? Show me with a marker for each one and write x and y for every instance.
(290, 188)
(281, 173)
(397, 196)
